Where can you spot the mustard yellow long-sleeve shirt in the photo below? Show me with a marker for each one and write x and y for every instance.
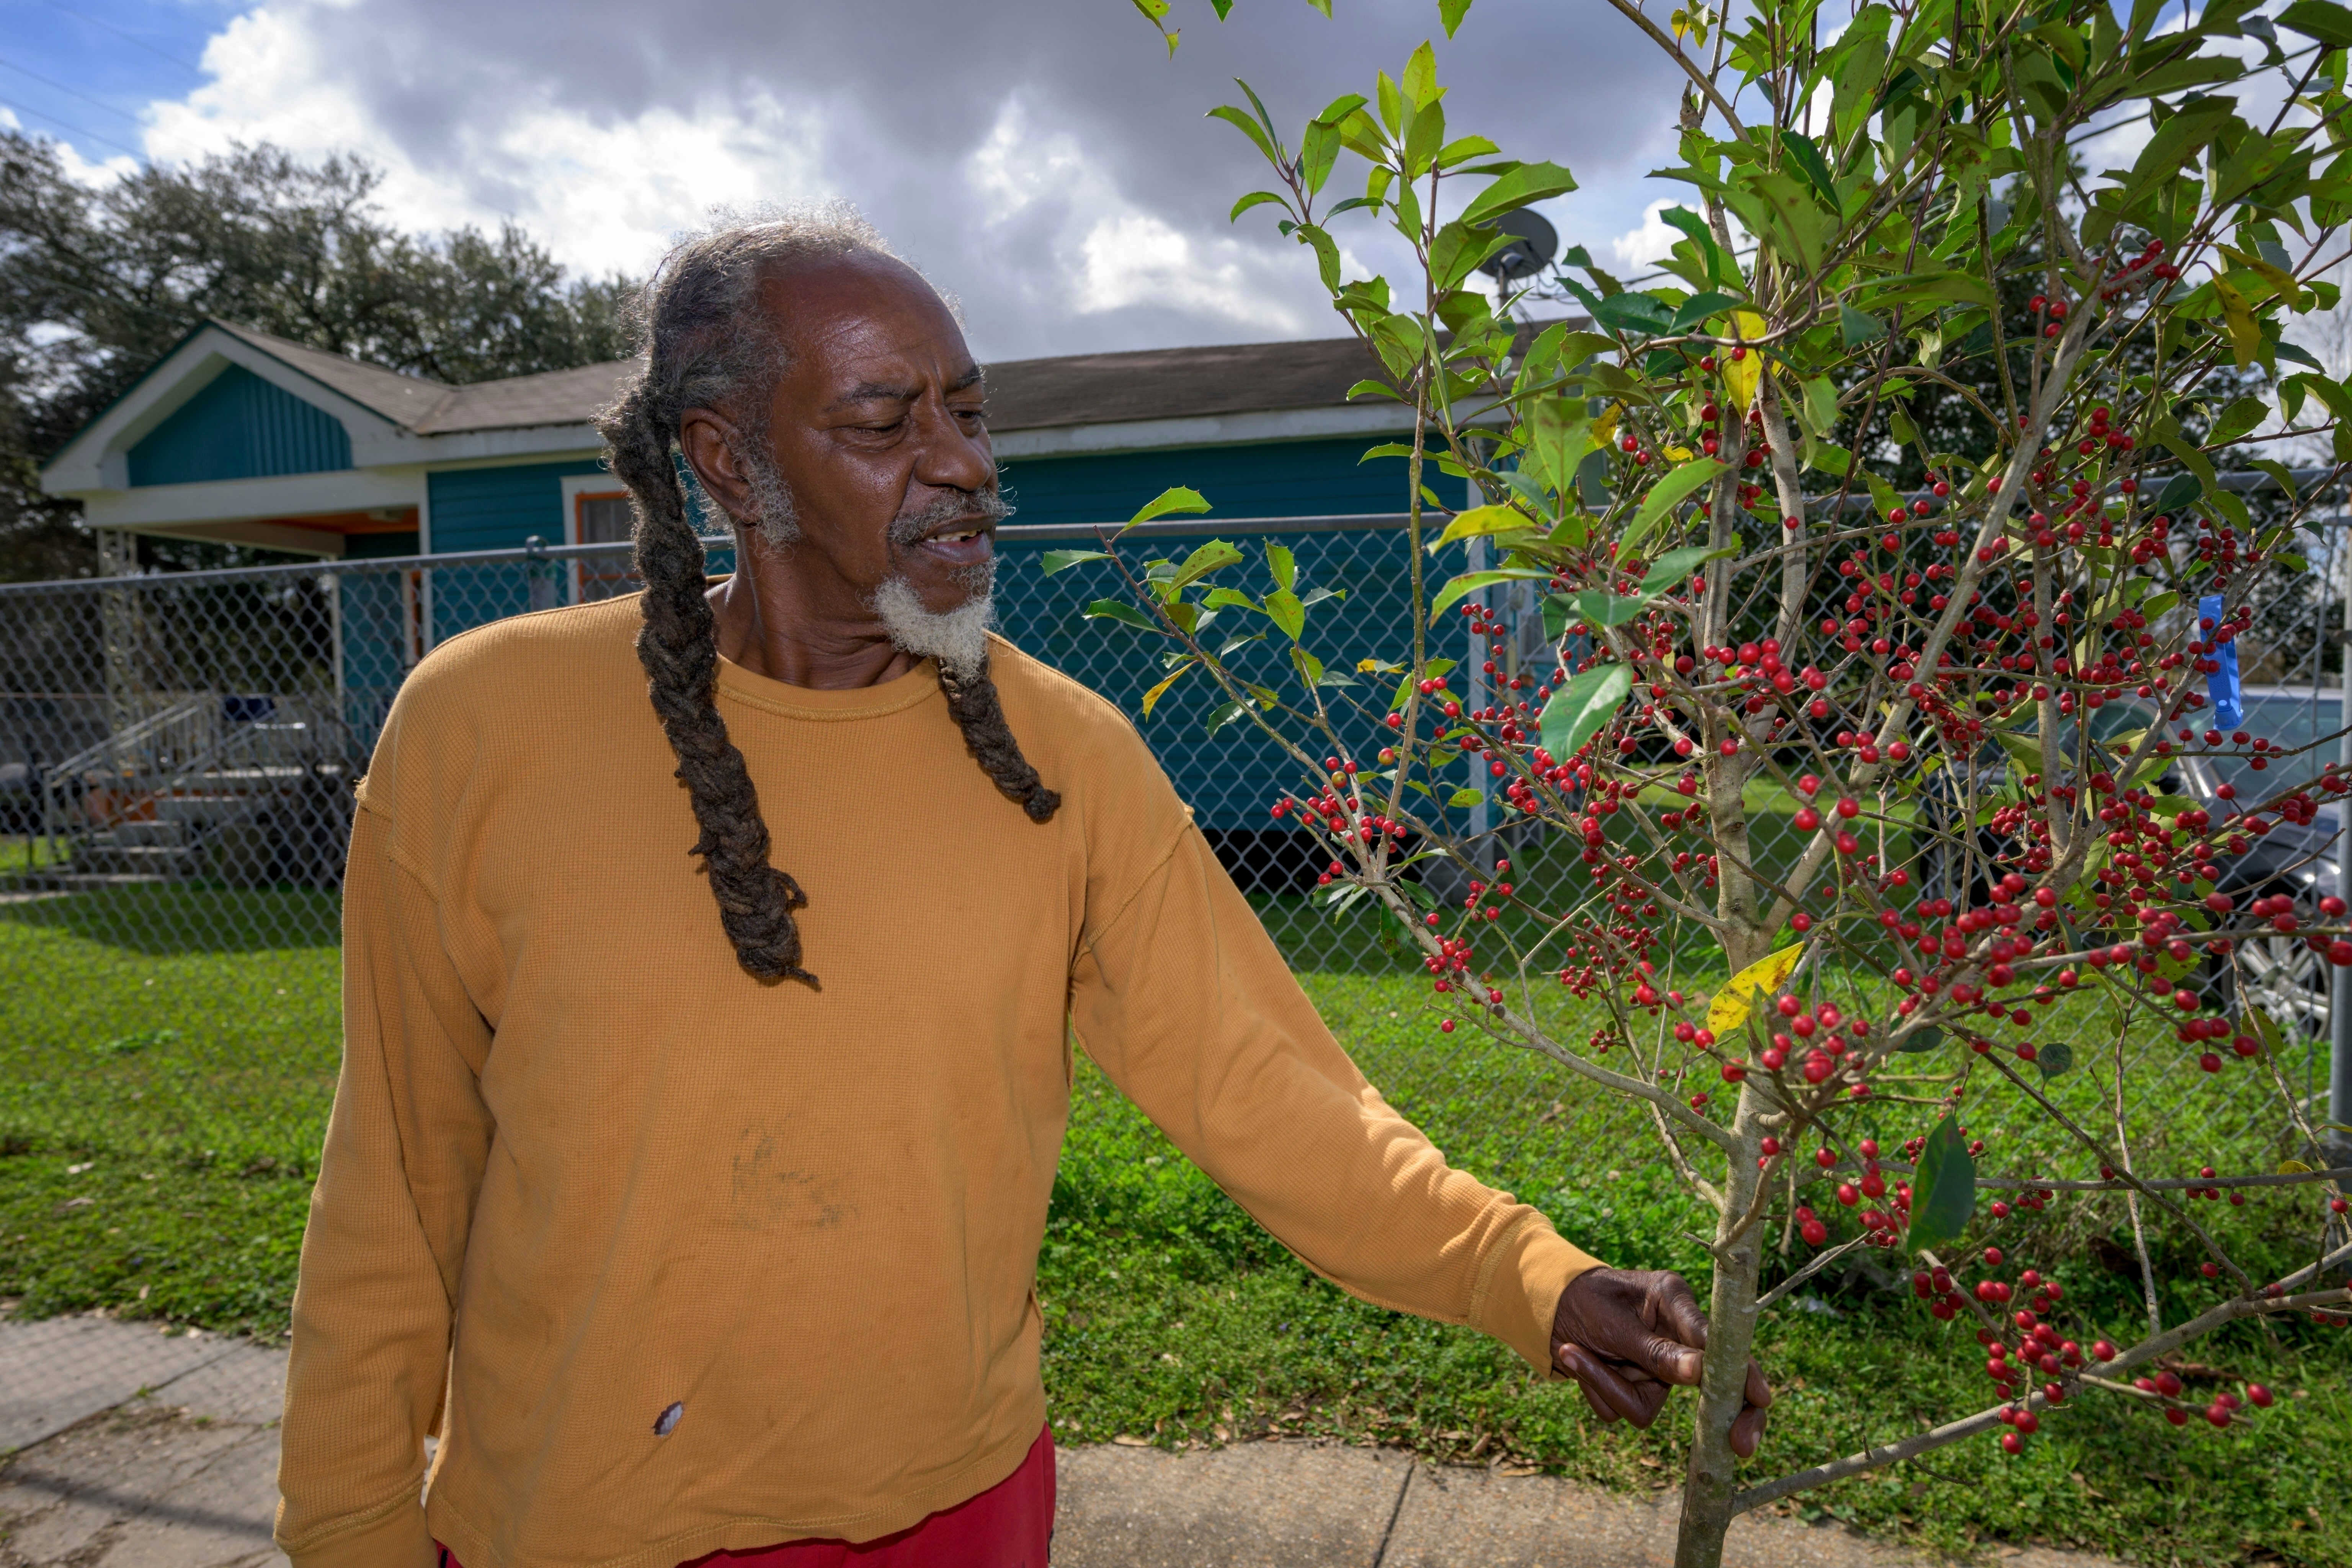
(582, 1169)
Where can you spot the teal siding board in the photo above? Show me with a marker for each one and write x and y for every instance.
(500, 508)
(1274, 478)
(240, 427)
(1230, 780)
(377, 636)
(493, 509)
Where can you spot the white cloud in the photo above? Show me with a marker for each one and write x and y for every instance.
(1114, 255)
(1641, 249)
(1137, 258)
(77, 168)
(1047, 163)
(603, 193)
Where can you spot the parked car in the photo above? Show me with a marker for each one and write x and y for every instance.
(2302, 861)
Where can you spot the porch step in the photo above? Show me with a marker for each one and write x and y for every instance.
(206, 811)
(160, 862)
(87, 882)
(260, 778)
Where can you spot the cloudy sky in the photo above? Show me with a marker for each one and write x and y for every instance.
(1044, 159)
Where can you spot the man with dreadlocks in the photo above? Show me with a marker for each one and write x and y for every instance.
(693, 1233)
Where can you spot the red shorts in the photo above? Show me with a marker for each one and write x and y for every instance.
(1009, 1525)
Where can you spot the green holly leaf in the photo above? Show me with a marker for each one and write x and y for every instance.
(2330, 24)
(1287, 613)
(1471, 582)
(1673, 488)
(1176, 497)
(1670, 569)
(1919, 1042)
(1525, 183)
(1944, 1192)
(1582, 705)
(1632, 313)
(1597, 607)
(1213, 556)
(1698, 308)
(2181, 490)
(1120, 611)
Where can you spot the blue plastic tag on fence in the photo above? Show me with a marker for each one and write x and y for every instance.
(2220, 687)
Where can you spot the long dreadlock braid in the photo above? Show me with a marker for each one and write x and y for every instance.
(980, 717)
(708, 345)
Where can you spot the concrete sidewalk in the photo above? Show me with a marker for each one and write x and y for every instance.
(144, 1452)
(176, 1468)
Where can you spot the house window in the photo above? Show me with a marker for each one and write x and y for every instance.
(601, 516)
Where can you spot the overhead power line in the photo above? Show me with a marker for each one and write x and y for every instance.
(69, 126)
(130, 38)
(70, 93)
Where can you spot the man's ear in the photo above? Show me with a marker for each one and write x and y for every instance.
(711, 443)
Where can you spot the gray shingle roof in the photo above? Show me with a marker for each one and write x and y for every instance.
(551, 397)
(1023, 395)
(1174, 383)
(403, 399)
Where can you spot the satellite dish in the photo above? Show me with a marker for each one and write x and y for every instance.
(1533, 244)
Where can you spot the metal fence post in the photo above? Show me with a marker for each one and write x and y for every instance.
(1475, 691)
(2339, 1011)
(121, 615)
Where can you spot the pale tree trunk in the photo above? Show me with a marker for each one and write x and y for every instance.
(1712, 1478)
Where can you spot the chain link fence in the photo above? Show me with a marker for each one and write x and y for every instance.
(178, 751)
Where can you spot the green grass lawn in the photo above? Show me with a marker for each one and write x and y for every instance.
(19, 854)
(161, 1096)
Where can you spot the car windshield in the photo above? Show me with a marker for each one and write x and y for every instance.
(2289, 721)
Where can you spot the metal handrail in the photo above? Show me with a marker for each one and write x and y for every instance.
(155, 723)
(232, 739)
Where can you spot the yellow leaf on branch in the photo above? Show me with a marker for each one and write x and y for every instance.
(1742, 377)
(2245, 333)
(1479, 519)
(1737, 999)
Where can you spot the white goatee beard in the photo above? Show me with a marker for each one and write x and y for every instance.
(958, 639)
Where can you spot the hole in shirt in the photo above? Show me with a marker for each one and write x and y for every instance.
(667, 1422)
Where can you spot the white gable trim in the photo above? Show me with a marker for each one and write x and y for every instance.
(154, 509)
(99, 458)
(511, 444)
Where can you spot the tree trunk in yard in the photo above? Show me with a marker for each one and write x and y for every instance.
(1713, 1473)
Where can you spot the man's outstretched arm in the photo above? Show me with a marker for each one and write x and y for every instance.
(1181, 997)
(375, 1304)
